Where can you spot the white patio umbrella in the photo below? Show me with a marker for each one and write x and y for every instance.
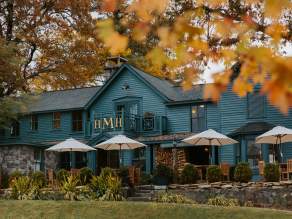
(276, 135)
(70, 145)
(209, 138)
(120, 142)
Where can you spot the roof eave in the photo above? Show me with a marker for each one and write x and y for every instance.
(195, 101)
(54, 110)
(109, 81)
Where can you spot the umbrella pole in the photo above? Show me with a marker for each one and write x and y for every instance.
(280, 149)
(210, 151)
(120, 155)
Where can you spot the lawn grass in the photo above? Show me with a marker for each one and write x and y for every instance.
(100, 210)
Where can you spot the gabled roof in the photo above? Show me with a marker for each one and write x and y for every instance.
(170, 92)
(83, 97)
(63, 99)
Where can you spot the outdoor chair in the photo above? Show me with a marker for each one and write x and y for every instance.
(137, 175)
(225, 167)
(50, 175)
(289, 168)
(131, 170)
(261, 166)
(283, 172)
(75, 172)
(200, 173)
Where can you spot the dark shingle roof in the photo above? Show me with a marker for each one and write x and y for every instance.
(172, 91)
(252, 127)
(63, 100)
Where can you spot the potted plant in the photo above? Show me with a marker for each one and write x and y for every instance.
(163, 175)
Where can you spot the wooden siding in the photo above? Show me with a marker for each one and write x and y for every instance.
(179, 118)
(150, 102)
(45, 132)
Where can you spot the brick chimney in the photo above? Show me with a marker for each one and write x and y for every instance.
(112, 65)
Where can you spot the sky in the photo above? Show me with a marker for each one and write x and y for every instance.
(217, 67)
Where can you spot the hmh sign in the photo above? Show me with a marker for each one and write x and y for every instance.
(108, 123)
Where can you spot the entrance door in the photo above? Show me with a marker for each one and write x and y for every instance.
(253, 153)
(198, 155)
(107, 159)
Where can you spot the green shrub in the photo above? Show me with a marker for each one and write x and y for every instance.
(214, 174)
(107, 185)
(272, 173)
(189, 174)
(242, 172)
(123, 173)
(231, 173)
(222, 201)
(85, 175)
(108, 171)
(162, 174)
(13, 176)
(113, 189)
(22, 189)
(38, 179)
(4, 180)
(146, 179)
(166, 197)
(62, 175)
(68, 186)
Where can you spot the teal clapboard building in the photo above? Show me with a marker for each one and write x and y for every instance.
(149, 109)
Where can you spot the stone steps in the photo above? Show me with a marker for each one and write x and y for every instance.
(139, 199)
(142, 193)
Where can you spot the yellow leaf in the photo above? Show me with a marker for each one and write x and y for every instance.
(273, 8)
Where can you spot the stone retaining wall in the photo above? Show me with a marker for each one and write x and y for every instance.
(265, 194)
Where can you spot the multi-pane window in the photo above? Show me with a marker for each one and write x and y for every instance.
(253, 153)
(255, 105)
(198, 118)
(38, 159)
(34, 123)
(56, 120)
(77, 122)
(14, 129)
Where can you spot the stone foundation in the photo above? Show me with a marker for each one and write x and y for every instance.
(17, 158)
(51, 160)
(260, 194)
(21, 158)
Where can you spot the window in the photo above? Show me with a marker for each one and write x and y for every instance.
(34, 122)
(198, 118)
(139, 158)
(77, 123)
(14, 129)
(2, 132)
(38, 160)
(253, 153)
(56, 120)
(255, 105)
